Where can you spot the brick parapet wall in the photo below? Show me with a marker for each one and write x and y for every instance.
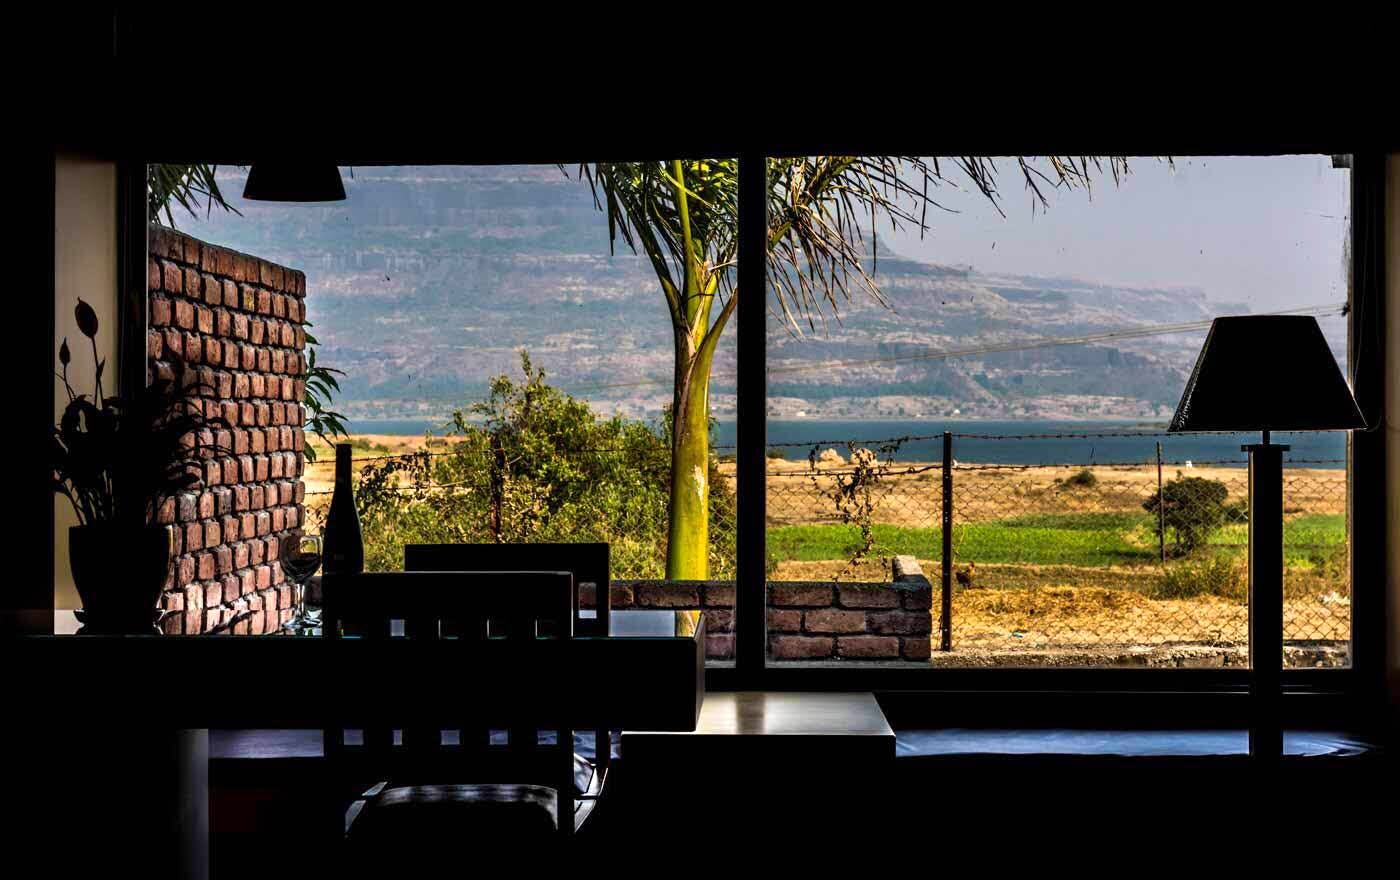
(236, 321)
(807, 620)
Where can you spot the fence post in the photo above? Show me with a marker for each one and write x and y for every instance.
(1161, 509)
(946, 610)
(498, 479)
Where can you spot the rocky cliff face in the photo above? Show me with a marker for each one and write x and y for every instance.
(427, 281)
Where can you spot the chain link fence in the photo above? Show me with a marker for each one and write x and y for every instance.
(1076, 563)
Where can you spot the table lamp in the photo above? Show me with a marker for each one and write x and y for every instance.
(1266, 373)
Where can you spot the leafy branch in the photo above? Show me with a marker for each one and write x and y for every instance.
(321, 388)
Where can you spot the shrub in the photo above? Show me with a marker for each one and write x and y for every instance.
(1217, 575)
(536, 465)
(1083, 479)
(1191, 508)
(776, 453)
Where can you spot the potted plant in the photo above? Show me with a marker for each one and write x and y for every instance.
(118, 460)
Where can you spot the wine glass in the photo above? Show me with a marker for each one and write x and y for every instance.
(301, 556)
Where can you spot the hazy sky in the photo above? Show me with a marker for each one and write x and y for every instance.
(1268, 231)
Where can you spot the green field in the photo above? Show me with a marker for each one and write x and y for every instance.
(1085, 539)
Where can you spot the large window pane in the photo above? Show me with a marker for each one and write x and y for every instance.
(1050, 338)
(508, 371)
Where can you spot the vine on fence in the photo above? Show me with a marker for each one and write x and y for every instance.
(854, 493)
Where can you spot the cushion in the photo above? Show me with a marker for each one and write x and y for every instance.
(425, 817)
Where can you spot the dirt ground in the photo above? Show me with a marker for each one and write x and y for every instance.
(911, 492)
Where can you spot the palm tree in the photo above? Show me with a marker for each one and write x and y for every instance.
(683, 216)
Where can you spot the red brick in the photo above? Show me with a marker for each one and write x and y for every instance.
(831, 620)
(719, 646)
(867, 596)
(257, 331)
(801, 647)
(784, 621)
(719, 620)
(903, 623)
(619, 595)
(241, 555)
(868, 647)
(915, 649)
(184, 314)
(213, 594)
(173, 280)
(206, 567)
(160, 311)
(184, 571)
(798, 595)
(211, 533)
(257, 551)
(918, 599)
(191, 282)
(153, 274)
(206, 505)
(204, 319)
(191, 250)
(718, 595)
(194, 536)
(667, 596)
(223, 559)
(263, 574)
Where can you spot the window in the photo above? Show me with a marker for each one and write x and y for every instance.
(1010, 370)
(504, 370)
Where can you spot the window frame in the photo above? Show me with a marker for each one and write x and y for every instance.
(752, 669)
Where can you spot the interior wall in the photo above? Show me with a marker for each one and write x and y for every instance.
(1392, 427)
(85, 266)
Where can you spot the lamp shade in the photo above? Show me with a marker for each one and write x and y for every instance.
(294, 182)
(1266, 373)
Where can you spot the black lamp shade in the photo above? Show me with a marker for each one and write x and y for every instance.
(1266, 373)
(294, 182)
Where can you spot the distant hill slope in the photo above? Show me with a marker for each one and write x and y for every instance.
(427, 281)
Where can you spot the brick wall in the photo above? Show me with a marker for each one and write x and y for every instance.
(810, 621)
(236, 320)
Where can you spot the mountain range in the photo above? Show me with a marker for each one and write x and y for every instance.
(427, 281)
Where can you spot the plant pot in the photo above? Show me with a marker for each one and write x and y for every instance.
(120, 571)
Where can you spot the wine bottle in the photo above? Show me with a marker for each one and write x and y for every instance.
(344, 546)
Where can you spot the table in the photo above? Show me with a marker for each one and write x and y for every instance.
(767, 759)
(647, 673)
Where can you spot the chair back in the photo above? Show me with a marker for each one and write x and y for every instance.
(588, 562)
(454, 609)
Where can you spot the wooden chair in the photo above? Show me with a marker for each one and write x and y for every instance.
(492, 779)
(588, 562)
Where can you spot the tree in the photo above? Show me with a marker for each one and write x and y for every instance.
(683, 216)
(1191, 508)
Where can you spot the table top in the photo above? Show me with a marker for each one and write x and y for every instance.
(632, 623)
(766, 729)
(648, 673)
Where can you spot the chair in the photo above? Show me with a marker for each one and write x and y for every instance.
(493, 778)
(588, 562)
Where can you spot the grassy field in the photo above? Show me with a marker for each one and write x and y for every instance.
(1080, 539)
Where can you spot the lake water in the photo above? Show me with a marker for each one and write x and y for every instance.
(1127, 443)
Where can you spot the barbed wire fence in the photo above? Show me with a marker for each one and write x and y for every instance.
(1125, 555)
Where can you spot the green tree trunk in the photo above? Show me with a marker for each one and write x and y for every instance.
(688, 538)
